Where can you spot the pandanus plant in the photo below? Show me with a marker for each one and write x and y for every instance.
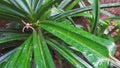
(45, 30)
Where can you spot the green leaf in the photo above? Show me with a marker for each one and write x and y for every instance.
(24, 60)
(21, 57)
(48, 56)
(5, 56)
(71, 5)
(38, 56)
(10, 8)
(64, 3)
(82, 15)
(96, 50)
(78, 10)
(6, 37)
(23, 9)
(42, 55)
(68, 54)
(44, 8)
(45, 15)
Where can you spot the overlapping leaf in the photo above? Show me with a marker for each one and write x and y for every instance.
(5, 56)
(20, 58)
(7, 37)
(20, 9)
(79, 10)
(75, 60)
(42, 55)
(95, 49)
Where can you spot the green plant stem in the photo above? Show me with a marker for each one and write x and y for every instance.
(78, 10)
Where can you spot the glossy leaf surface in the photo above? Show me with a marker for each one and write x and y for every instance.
(42, 55)
(96, 50)
(75, 60)
(21, 57)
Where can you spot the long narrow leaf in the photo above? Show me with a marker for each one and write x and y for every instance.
(78, 10)
(24, 60)
(48, 56)
(45, 7)
(68, 54)
(23, 9)
(3, 58)
(6, 37)
(64, 3)
(71, 5)
(38, 56)
(42, 55)
(14, 58)
(96, 50)
(96, 14)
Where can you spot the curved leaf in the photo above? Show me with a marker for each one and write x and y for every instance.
(78, 10)
(96, 50)
(21, 57)
(68, 54)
